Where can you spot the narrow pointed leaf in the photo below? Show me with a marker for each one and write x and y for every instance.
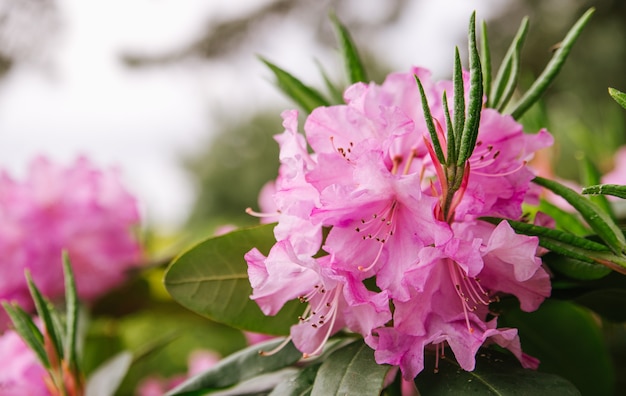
(71, 318)
(495, 374)
(472, 121)
(590, 175)
(551, 233)
(106, 379)
(306, 97)
(509, 68)
(28, 331)
(570, 222)
(354, 67)
(211, 279)
(451, 151)
(350, 370)
(599, 220)
(511, 83)
(242, 365)
(335, 92)
(580, 269)
(459, 100)
(615, 190)
(618, 96)
(485, 56)
(552, 68)
(430, 124)
(46, 313)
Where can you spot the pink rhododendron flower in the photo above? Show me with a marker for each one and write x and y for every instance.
(375, 182)
(20, 370)
(79, 208)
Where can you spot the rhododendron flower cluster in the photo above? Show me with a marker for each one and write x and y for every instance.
(406, 262)
(79, 208)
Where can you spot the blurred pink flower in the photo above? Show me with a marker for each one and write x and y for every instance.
(79, 208)
(20, 371)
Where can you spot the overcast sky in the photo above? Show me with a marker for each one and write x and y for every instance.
(85, 101)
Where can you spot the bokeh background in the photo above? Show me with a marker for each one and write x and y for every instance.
(173, 93)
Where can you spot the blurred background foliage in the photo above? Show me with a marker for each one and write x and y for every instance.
(240, 156)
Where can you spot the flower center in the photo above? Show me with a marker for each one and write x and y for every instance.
(379, 227)
(469, 290)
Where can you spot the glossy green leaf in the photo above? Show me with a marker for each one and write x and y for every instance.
(350, 370)
(570, 222)
(105, 380)
(618, 96)
(590, 175)
(496, 373)
(212, 279)
(306, 97)
(576, 268)
(299, 384)
(485, 56)
(45, 311)
(615, 190)
(242, 365)
(552, 68)
(508, 72)
(568, 341)
(474, 107)
(71, 317)
(28, 331)
(599, 220)
(354, 67)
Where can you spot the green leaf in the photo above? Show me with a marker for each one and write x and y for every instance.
(28, 331)
(599, 220)
(551, 233)
(590, 175)
(459, 102)
(508, 72)
(306, 97)
(105, 380)
(350, 370)
(212, 279)
(576, 268)
(299, 384)
(46, 313)
(242, 365)
(429, 123)
(615, 190)
(485, 56)
(567, 340)
(71, 319)
(566, 221)
(354, 67)
(474, 108)
(552, 68)
(496, 373)
(335, 92)
(618, 96)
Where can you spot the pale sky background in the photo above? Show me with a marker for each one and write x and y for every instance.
(85, 101)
